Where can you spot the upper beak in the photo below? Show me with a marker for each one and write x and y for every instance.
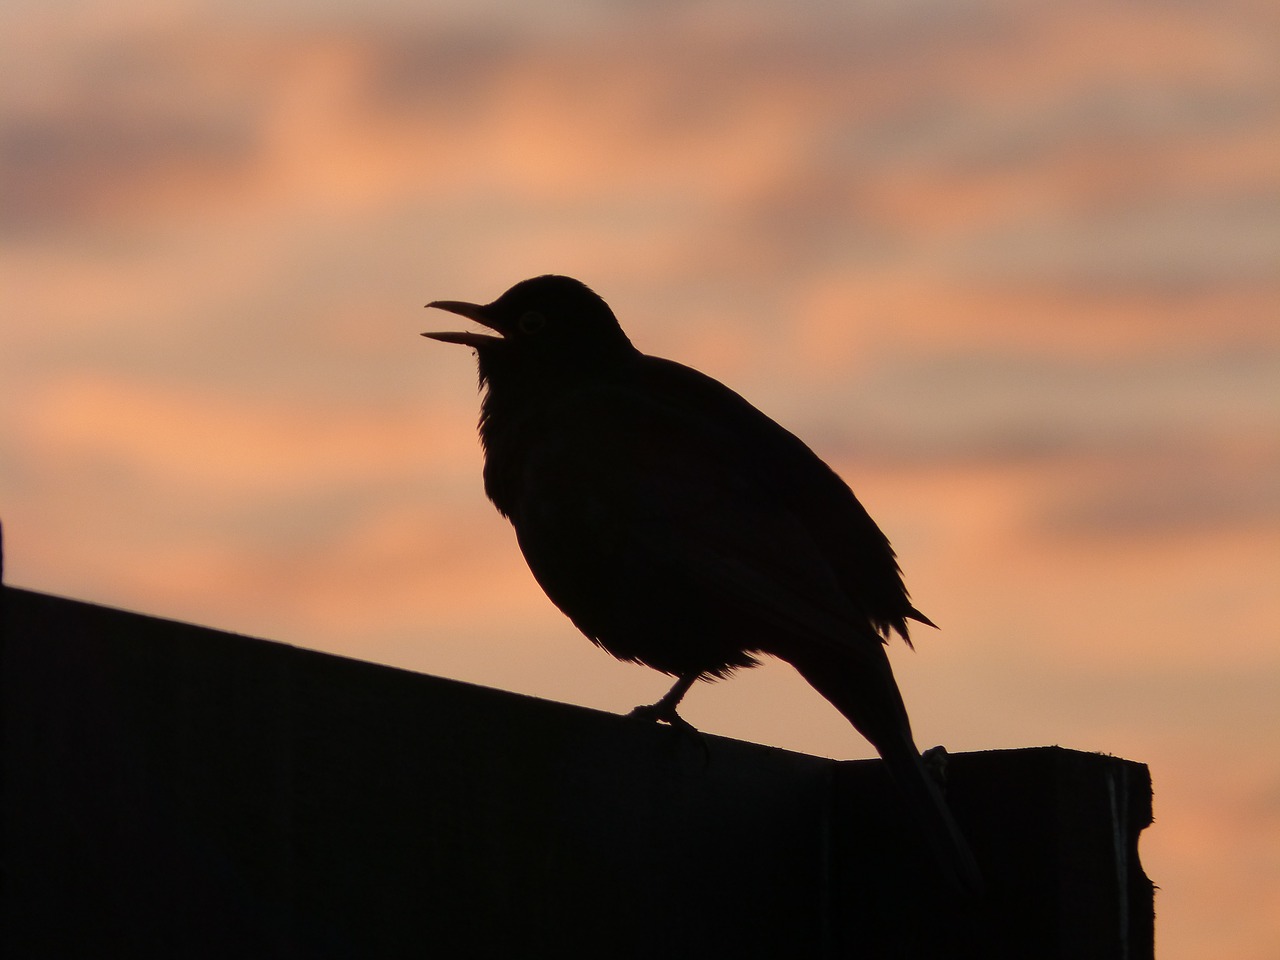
(472, 311)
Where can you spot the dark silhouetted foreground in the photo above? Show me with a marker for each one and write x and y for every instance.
(679, 527)
(171, 791)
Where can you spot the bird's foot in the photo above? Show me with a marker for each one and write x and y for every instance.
(661, 712)
(935, 764)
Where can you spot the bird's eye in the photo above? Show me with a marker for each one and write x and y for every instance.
(531, 321)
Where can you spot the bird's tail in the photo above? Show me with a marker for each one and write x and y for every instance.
(866, 693)
(929, 811)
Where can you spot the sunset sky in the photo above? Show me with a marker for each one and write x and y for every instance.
(1013, 269)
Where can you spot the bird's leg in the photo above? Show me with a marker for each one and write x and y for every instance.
(665, 709)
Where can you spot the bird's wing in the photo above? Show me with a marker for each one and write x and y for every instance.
(793, 475)
(767, 568)
(663, 507)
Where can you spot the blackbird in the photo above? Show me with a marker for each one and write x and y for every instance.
(679, 527)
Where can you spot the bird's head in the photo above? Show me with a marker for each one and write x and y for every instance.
(546, 328)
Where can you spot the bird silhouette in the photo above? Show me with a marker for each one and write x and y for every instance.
(679, 527)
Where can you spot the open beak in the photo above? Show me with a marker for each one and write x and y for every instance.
(472, 311)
